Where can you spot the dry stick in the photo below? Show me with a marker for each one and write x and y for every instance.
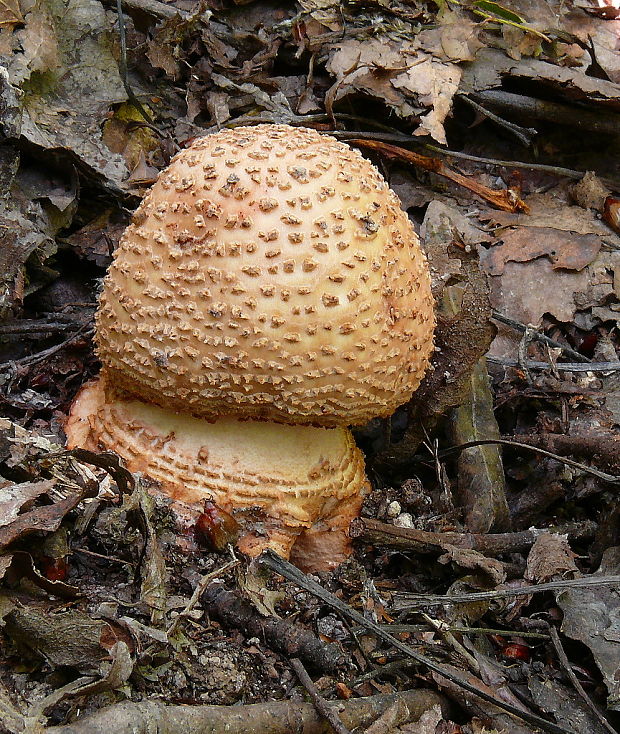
(407, 601)
(523, 134)
(537, 336)
(396, 629)
(201, 587)
(282, 567)
(611, 478)
(273, 717)
(499, 198)
(39, 356)
(320, 704)
(561, 366)
(602, 121)
(396, 137)
(286, 637)
(424, 541)
(559, 649)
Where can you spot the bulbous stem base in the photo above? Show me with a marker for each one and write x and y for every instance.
(294, 489)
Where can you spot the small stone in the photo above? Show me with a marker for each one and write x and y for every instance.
(404, 520)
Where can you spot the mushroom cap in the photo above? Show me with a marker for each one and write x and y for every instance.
(301, 477)
(269, 273)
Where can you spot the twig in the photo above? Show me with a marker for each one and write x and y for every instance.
(114, 559)
(559, 649)
(611, 478)
(372, 531)
(273, 717)
(523, 134)
(396, 629)
(282, 567)
(200, 589)
(502, 199)
(38, 326)
(443, 629)
(122, 65)
(40, 356)
(320, 704)
(537, 336)
(155, 8)
(604, 122)
(561, 366)
(284, 636)
(407, 601)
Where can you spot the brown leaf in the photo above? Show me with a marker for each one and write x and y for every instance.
(41, 519)
(16, 498)
(591, 616)
(565, 250)
(550, 556)
(475, 561)
(434, 84)
(70, 638)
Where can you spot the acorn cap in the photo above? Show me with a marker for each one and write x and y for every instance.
(307, 481)
(269, 273)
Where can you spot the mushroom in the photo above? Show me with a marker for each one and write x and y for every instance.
(269, 293)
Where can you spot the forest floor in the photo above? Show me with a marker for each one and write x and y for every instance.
(483, 592)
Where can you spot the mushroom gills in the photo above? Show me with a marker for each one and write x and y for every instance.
(308, 481)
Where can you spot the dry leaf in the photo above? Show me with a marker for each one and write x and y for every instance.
(592, 616)
(565, 250)
(434, 85)
(550, 556)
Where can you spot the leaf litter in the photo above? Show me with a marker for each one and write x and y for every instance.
(102, 600)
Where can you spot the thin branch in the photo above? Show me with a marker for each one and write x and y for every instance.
(408, 601)
(611, 478)
(200, 589)
(85, 329)
(523, 134)
(320, 704)
(537, 336)
(282, 567)
(562, 366)
(372, 531)
(559, 649)
(600, 120)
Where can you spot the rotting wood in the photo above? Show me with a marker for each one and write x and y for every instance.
(275, 717)
(288, 638)
(424, 541)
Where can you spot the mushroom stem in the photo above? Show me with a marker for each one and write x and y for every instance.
(308, 481)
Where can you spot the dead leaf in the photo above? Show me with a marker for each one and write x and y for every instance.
(564, 704)
(325, 12)
(592, 616)
(69, 46)
(476, 562)
(550, 557)
(434, 85)
(253, 582)
(481, 481)
(589, 193)
(565, 250)
(398, 74)
(527, 291)
(16, 498)
(69, 638)
(40, 519)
